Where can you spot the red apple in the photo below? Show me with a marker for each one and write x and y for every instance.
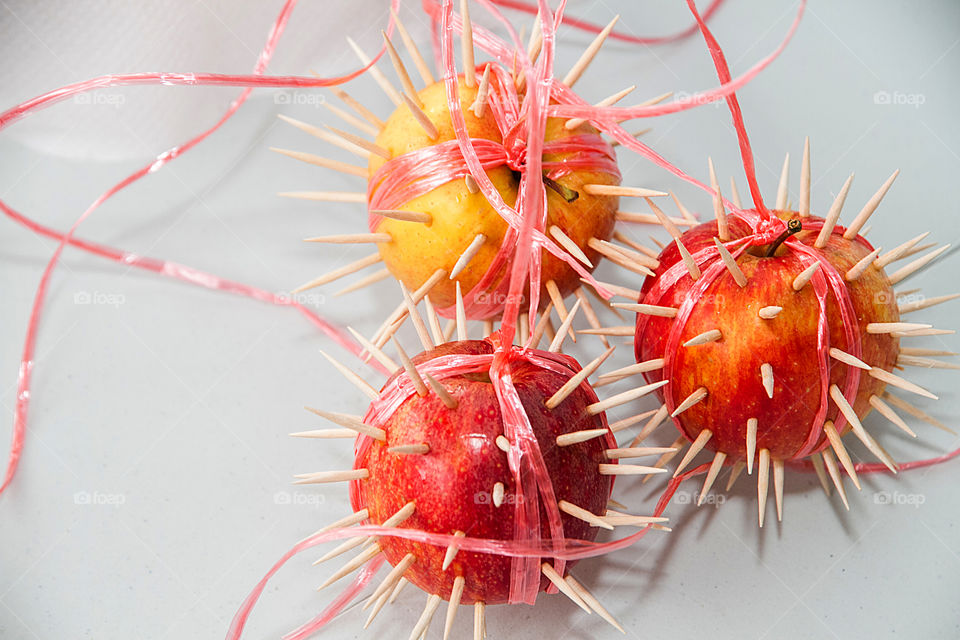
(753, 385)
(452, 485)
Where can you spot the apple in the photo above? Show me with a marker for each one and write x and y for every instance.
(749, 385)
(453, 484)
(457, 216)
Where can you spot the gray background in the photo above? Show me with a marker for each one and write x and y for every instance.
(176, 401)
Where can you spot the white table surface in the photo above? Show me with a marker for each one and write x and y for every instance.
(173, 403)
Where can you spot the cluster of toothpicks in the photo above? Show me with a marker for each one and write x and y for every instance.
(519, 431)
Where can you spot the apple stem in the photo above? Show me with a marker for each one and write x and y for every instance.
(568, 194)
(793, 227)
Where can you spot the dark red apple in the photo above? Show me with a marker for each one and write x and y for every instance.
(453, 483)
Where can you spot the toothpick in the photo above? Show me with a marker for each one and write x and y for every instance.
(451, 552)
(582, 514)
(911, 268)
(325, 434)
(916, 351)
(334, 139)
(804, 211)
(403, 216)
(321, 477)
(904, 360)
(448, 400)
(778, 487)
(623, 398)
(573, 123)
(587, 57)
(358, 107)
(695, 447)
(887, 412)
(703, 338)
(766, 376)
(837, 445)
(715, 467)
(326, 196)
(763, 478)
(461, 316)
(361, 559)
(320, 161)
(411, 370)
(731, 264)
(576, 437)
(455, 594)
(688, 260)
(359, 382)
(633, 369)
(423, 623)
(667, 457)
(576, 380)
(735, 472)
(422, 119)
(349, 118)
(648, 309)
(468, 254)
(592, 602)
(647, 251)
(479, 624)
(362, 143)
(479, 105)
(422, 68)
(346, 521)
(917, 305)
(659, 416)
(374, 351)
(898, 252)
(783, 187)
(735, 194)
(752, 424)
(804, 276)
(617, 290)
(847, 411)
(833, 215)
(557, 343)
(336, 274)
(377, 75)
(628, 470)
(834, 472)
(557, 299)
(353, 238)
(418, 324)
(869, 208)
(541, 326)
(401, 583)
(564, 241)
(434, 320)
(917, 413)
(354, 423)
(401, 70)
(847, 358)
(618, 258)
(723, 229)
(466, 46)
(392, 578)
(588, 311)
(421, 449)
(373, 278)
(862, 265)
(816, 460)
(563, 586)
(618, 190)
(636, 452)
(697, 396)
(897, 381)
(879, 328)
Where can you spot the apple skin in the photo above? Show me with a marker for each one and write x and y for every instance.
(452, 484)
(418, 250)
(730, 368)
